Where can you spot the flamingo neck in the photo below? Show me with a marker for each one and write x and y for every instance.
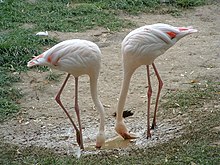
(123, 94)
(97, 102)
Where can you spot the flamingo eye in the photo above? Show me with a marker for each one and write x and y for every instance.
(49, 59)
(171, 34)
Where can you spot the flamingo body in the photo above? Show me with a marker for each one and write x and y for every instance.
(141, 47)
(76, 57)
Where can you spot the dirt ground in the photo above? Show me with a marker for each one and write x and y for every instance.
(41, 122)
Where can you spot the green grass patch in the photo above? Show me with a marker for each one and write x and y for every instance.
(53, 76)
(131, 6)
(62, 16)
(189, 3)
(9, 96)
(196, 96)
(72, 16)
(18, 46)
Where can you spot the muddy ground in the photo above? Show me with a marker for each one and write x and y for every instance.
(41, 122)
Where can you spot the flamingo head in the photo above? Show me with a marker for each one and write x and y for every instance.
(37, 60)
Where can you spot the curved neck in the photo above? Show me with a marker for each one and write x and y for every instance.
(123, 94)
(97, 102)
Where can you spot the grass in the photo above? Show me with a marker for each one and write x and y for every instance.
(53, 77)
(196, 96)
(61, 16)
(18, 46)
(9, 95)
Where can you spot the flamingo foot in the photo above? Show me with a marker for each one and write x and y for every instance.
(121, 129)
(148, 134)
(98, 147)
(127, 135)
(78, 139)
(153, 126)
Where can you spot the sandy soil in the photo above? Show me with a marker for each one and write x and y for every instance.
(41, 122)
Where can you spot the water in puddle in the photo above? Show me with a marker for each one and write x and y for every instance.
(117, 142)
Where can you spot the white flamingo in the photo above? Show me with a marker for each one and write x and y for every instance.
(141, 47)
(76, 57)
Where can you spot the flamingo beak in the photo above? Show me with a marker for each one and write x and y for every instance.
(31, 63)
(188, 29)
(34, 61)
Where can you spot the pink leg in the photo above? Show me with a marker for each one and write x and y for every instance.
(149, 93)
(77, 112)
(158, 95)
(57, 98)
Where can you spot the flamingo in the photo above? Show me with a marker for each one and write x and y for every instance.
(141, 47)
(76, 57)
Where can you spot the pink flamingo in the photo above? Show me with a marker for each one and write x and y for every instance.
(141, 47)
(76, 57)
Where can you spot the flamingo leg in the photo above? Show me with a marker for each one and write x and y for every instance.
(57, 98)
(158, 95)
(77, 113)
(149, 93)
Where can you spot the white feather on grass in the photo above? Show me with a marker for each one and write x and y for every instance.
(42, 33)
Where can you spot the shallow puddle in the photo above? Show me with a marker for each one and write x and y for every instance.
(116, 142)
